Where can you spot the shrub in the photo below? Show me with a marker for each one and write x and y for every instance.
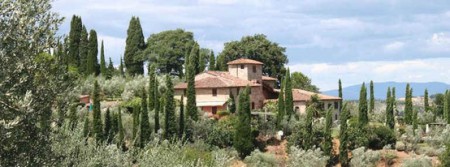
(221, 133)
(223, 113)
(389, 157)
(417, 161)
(259, 159)
(380, 136)
(312, 157)
(360, 157)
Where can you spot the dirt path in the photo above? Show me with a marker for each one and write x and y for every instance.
(279, 150)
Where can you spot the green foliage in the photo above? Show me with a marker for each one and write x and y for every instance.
(194, 58)
(167, 50)
(121, 70)
(136, 113)
(445, 157)
(121, 136)
(212, 62)
(157, 103)
(363, 157)
(83, 51)
(86, 126)
(311, 157)
(426, 104)
(259, 159)
(108, 133)
(363, 118)
(191, 106)
(372, 98)
(170, 128)
(256, 47)
(151, 87)
(231, 104)
(92, 62)
(390, 120)
(134, 47)
(243, 138)
(309, 138)
(447, 106)
(103, 69)
(76, 28)
(221, 132)
(110, 70)
(97, 120)
(344, 137)
(203, 59)
(328, 140)
(417, 161)
(408, 106)
(289, 99)
(281, 109)
(73, 116)
(144, 122)
(380, 136)
(181, 122)
(301, 81)
(439, 104)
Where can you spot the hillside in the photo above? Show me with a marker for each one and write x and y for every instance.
(380, 88)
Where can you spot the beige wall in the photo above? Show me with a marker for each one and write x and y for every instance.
(246, 73)
(302, 107)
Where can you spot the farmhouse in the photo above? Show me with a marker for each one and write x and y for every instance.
(213, 88)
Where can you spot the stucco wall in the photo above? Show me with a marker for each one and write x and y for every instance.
(246, 73)
(302, 107)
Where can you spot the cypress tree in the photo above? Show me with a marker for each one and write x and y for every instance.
(181, 121)
(97, 120)
(151, 90)
(191, 106)
(108, 132)
(232, 105)
(121, 136)
(372, 98)
(76, 27)
(340, 95)
(363, 118)
(414, 121)
(425, 101)
(83, 51)
(86, 127)
(73, 118)
(122, 71)
(136, 112)
(408, 105)
(212, 62)
(134, 46)
(343, 137)
(194, 58)
(243, 138)
(202, 62)
(308, 131)
(157, 106)
(390, 122)
(103, 69)
(289, 101)
(115, 124)
(92, 62)
(328, 140)
(110, 69)
(447, 106)
(170, 130)
(281, 110)
(394, 101)
(145, 125)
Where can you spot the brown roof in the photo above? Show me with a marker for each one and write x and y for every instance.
(244, 61)
(266, 78)
(217, 79)
(303, 95)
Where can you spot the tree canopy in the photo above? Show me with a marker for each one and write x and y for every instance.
(134, 47)
(301, 81)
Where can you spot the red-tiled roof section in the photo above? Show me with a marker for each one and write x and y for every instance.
(303, 95)
(266, 78)
(244, 61)
(218, 79)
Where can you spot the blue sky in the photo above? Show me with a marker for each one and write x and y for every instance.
(357, 41)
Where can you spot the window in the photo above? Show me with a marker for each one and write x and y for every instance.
(253, 105)
(214, 110)
(297, 109)
(214, 92)
(242, 66)
(254, 69)
(336, 105)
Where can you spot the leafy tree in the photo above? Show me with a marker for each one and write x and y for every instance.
(73, 118)
(212, 62)
(343, 137)
(425, 101)
(122, 71)
(301, 81)
(151, 87)
(408, 105)
(76, 28)
(107, 129)
(97, 120)
(363, 118)
(144, 122)
(231, 103)
(181, 121)
(170, 130)
(167, 49)
(103, 69)
(157, 105)
(134, 47)
(372, 98)
(328, 140)
(390, 122)
(281, 109)
(243, 138)
(83, 51)
(92, 62)
(191, 107)
(289, 99)
(110, 69)
(86, 127)
(256, 47)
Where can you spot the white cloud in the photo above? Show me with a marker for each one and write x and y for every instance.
(439, 42)
(394, 46)
(326, 75)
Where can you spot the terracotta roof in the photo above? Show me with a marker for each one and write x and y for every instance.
(244, 61)
(266, 78)
(303, 95)
(217, 79)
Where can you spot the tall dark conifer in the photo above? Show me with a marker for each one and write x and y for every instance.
(328, 140)
(281, 109)
(289, 101)
(232, 103)
(194, 58)
(426, 104)
(92, 61)
(103, 69)
(121, 68)
(390, 122)
(363, 118)
(340, 94)
(408, 105)
(76, 27)
(243, 138)
(121, 131)
(308, 131)
(212, 62)
(83, 51)
(343, 138)
(170, 130)
(151, 84)
(157, 107)
(191, 106)
(108, 133)
(144, 122)
(134, 46)
(97, 120)
(73, 117)
(110, 69)
(181, 122)
(372, 98)
(86, 126)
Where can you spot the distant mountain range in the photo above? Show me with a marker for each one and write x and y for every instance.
(380, 88)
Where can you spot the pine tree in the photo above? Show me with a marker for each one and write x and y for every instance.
(151, 84)
(92, 62)
(232, 103)
(363, 118)
(108, 132)
(289, 101)
(170, 130)
(343, 137)
(426, 105)
(408, 105)
(212, 62)
(243, 138)
(181, 121)
(145, 124)
(73, 118)
(390, 122)
(372, 98)
(83, 51)
(281, 109)
(191, 106)
(76, 27)
(340, 94)
(103, 69)
(97, 120)
(134, 46)
(157, 106)
(86, 127)
(121, 70)
(328, 140)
